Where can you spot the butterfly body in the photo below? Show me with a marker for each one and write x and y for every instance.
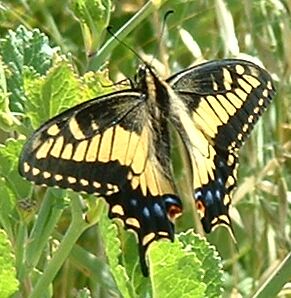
(118, 146)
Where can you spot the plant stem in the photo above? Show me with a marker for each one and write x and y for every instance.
(273, 285)
(77, 227)
(112, 42)
(47, 219)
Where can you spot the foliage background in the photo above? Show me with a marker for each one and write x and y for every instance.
(261, 213)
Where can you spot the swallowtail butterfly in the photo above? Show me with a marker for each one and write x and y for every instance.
(118, 146)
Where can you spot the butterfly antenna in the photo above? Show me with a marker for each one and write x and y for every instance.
(109, 30)
(166, 16)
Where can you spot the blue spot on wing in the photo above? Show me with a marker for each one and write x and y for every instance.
(152, 213)
(212, 194)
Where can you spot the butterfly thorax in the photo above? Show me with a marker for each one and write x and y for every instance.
(154, 90)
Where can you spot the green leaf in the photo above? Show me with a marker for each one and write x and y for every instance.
(24, 48)
(60, 89)
(113, 252)
(52, 94)
(12, 187)
(9, 153)
(9, 284)
(94, 17)
(175, 272)
(96, 83)
(7, 203)
(210, 262)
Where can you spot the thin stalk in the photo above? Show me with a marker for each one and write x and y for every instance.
(20, 250)
(144, 12)
(273, 285)
(77, 227)
(47, 219)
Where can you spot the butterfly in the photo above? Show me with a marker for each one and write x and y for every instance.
(117, 146)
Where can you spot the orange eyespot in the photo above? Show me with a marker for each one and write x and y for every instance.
(174, 212)
(200, 208)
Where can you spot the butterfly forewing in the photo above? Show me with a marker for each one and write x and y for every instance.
(105, 147)
(224, 99)
(66, 150)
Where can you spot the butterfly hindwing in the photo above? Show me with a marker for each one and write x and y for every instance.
(224, 99)
(105, 147)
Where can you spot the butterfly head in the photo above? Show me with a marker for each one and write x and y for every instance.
(141, 74)
(144, 74)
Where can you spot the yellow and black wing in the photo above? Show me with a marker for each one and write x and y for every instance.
(224, 100)
(106, 147)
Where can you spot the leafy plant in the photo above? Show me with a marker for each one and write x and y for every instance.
(60, 243)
